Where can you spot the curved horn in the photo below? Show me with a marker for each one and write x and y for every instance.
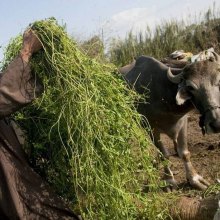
(217, 57)
(174, 78)
(127, 68)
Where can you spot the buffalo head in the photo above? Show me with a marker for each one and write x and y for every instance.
(200, 83)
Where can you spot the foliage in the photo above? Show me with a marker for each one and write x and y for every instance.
(94, 48)
(168, 37)
(84, 134)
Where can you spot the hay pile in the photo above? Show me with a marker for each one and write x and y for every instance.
(83, 133)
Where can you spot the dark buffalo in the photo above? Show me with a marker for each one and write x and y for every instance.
(172, 94)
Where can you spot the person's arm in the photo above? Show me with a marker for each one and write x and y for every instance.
(18, 86)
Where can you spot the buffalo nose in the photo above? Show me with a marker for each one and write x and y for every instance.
(215, 126)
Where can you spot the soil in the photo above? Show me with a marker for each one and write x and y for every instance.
(205, 154)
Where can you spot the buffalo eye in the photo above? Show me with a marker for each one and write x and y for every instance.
(190, 88)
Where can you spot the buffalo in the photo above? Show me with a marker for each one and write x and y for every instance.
(172, 93)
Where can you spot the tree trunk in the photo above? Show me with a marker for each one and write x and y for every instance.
(196, 209)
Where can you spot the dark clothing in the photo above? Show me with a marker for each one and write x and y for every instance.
(23, 194)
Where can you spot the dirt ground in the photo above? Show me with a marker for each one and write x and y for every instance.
(205, 154)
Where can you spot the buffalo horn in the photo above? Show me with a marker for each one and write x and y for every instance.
(217, 57)
(174, 78)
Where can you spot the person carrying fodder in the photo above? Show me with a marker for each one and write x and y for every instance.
(23, 194)
(84, 135)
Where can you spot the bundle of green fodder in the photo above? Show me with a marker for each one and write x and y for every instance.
(84, 134)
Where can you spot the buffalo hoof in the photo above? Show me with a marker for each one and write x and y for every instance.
(199, 182)
(171, 185)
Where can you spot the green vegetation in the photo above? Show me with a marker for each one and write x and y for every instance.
(84, 135)
(168, 37)
(93, 47)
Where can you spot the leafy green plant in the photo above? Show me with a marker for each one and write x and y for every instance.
(84, 134)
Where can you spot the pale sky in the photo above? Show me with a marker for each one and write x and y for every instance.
(85, 18)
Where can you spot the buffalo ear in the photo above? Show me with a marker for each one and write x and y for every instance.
(182, 95)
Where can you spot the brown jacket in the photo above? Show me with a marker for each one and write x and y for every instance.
(23, 194)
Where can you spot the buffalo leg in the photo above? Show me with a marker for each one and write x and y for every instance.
(168, 175)
(195, 179)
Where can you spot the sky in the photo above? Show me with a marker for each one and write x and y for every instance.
(86, 18)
